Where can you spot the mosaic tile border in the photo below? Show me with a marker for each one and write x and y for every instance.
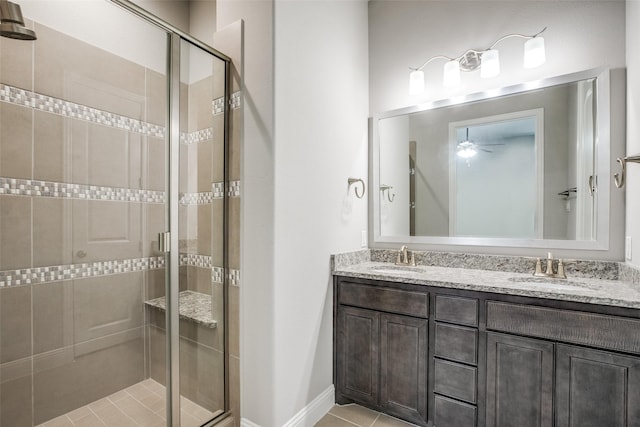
(28, 187)
(195, 260)
(31, 276)
(234, 188)
(217, 106)
(217, 188)
(196, 136)
(37, 101)
(26, 98)
(236, 100)
(234, 277)
(190, 199)
(217, 275)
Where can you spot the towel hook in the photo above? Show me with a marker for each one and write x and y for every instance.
(619, 179)
(387, 188)
(352, 181)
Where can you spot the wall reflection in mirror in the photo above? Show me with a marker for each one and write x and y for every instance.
(519, 166)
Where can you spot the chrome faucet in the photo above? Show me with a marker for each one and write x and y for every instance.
(403, 257)
(559, 274)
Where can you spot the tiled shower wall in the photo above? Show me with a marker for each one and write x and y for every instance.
(81, 203)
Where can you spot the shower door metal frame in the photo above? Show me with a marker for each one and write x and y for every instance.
(172, 156)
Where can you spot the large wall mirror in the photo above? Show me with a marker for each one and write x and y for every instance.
(526, 166)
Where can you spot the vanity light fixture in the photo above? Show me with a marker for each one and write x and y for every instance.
(487, 60)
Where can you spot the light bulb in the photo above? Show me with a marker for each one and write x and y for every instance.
(534, 54)
(490, 64)
(466, 149)
(451, 74)
(416, 82)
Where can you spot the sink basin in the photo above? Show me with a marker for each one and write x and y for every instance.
(397, 269)
(559, 284)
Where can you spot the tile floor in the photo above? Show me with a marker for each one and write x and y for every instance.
(354, 415)
(142, 404)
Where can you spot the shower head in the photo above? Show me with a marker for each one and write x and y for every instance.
(12, 23)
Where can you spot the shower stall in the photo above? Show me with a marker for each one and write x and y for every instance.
(114, 195)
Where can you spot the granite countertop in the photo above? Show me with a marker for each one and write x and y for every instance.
(194, 306)
(579, 289)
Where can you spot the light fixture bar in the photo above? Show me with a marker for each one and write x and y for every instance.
(487, 60)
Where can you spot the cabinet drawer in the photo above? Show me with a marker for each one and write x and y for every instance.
(455, 380)
(596, 330)
(379, 298)
(456, 343)
(452, 309)
(451, 413)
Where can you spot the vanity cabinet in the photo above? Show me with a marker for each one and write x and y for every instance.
(381, 349)
(443, 357)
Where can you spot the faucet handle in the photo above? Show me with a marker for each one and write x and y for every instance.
(538, 271)
(561, 274)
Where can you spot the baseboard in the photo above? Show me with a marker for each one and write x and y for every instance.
(247, 423)
(309, 415)
(316, 409)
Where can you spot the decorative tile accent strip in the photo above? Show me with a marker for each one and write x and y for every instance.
(30, 276)
(217, 188)
(235, 100)
(28, 187)
(58, 106)
(217, 106)
(234, 188)
(217, 274)
(234, 277)
(194, 260)
(203, 198)
(196, 137)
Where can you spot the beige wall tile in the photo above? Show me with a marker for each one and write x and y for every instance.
(16, 67)
(156, 166)
(235, 130)
(15, 232)
(217, 232)
(156, 98)
(83, 379)
(52, 231)
(200, 97)
(50, 149)
(234, 321)
(204, 229)
(70, 69)
(155, 283)
(105, 156)
(206, 164)
(155, 224)
(201, 375)
(16, 402)
(15, 140)
(15, 323)
(234, 232)
(234, 388)
(157, 354)
(104, 306)
(52, 316)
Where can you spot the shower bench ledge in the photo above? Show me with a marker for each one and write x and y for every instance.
(194, 306)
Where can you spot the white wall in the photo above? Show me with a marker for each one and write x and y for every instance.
(321, 103)
(633, 127)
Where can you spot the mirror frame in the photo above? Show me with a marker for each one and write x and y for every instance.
(602, 162)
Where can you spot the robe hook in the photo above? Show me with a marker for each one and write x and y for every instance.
(352, 181)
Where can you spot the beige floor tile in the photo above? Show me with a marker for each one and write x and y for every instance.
(79, 413)
(62, 421)
(356, 414)
(333, 421)
(90, 420)
(138, 412)
(387, 421)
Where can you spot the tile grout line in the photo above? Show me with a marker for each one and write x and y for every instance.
(343, 419)
(374, 421)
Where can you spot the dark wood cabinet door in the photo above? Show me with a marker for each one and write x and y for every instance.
(403, 367)
(596, 388)
(519, 382)
(357, 355)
